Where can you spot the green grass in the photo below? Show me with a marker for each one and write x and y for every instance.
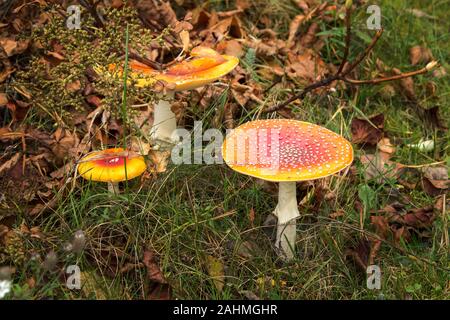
(195, 211)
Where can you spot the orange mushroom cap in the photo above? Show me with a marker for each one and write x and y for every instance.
(204, 66)
(286, 150)
(109, 166)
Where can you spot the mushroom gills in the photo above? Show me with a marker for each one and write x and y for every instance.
(287, 212)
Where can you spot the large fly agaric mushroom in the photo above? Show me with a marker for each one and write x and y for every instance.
(202, 67)
(112, 166)
(286, 151)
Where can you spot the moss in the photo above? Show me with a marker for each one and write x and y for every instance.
(14, 250)
(56, 85)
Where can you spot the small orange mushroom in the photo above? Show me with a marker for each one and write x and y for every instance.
(286, 151)
(112, 166)
(202, 67)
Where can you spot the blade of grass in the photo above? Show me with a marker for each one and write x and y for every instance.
(124, 103)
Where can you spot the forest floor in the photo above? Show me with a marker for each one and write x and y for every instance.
(198, 231)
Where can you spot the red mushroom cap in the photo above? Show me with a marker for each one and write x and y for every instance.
(204, 66)
(111, 165)
(286, 150)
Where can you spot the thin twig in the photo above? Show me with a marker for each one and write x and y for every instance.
(150, 24)
(348, 35)
(303, 93)
(91, 7)
(274, 83)
(147, 62)
(391, 78)
(344, 69)
(366, 52)
(340, 75)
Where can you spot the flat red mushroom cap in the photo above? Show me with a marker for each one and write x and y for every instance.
(286, 150)
(204, 66)
(111, 165)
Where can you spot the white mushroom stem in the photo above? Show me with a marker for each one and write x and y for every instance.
(286, 211)
(113, 187)
(164, 121)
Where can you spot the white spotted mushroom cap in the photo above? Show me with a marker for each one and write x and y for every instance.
(286, 150)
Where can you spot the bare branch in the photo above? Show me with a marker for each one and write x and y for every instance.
(147, 62)
(391, 78)
(366, 52)
(344, 70)
(91, 7)
(348, 35)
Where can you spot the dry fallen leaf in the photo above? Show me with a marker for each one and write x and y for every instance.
(159, 160)
(381, 226)
(309, 38)
(13, 47)
(73, 86)
(153, 272)
(40, 207)
(440, 72)
(406, 86)
(436, 173)
(231, 47)
(230, 26)
(158, 289)
(3, 99)
(247, 249)
(155, 12)
(435, 181)
(419, 54)
(216, 271)
(368, 131)
(337, 214)
(58, 56)
(375, 167)
(293, 27)
(397, 222)
(116, 4)
(419, 218)
(185, 40)
(65, 143)
(10, 163)
(363, 253)
(5, 73)
(385, 148)
(307, 66)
